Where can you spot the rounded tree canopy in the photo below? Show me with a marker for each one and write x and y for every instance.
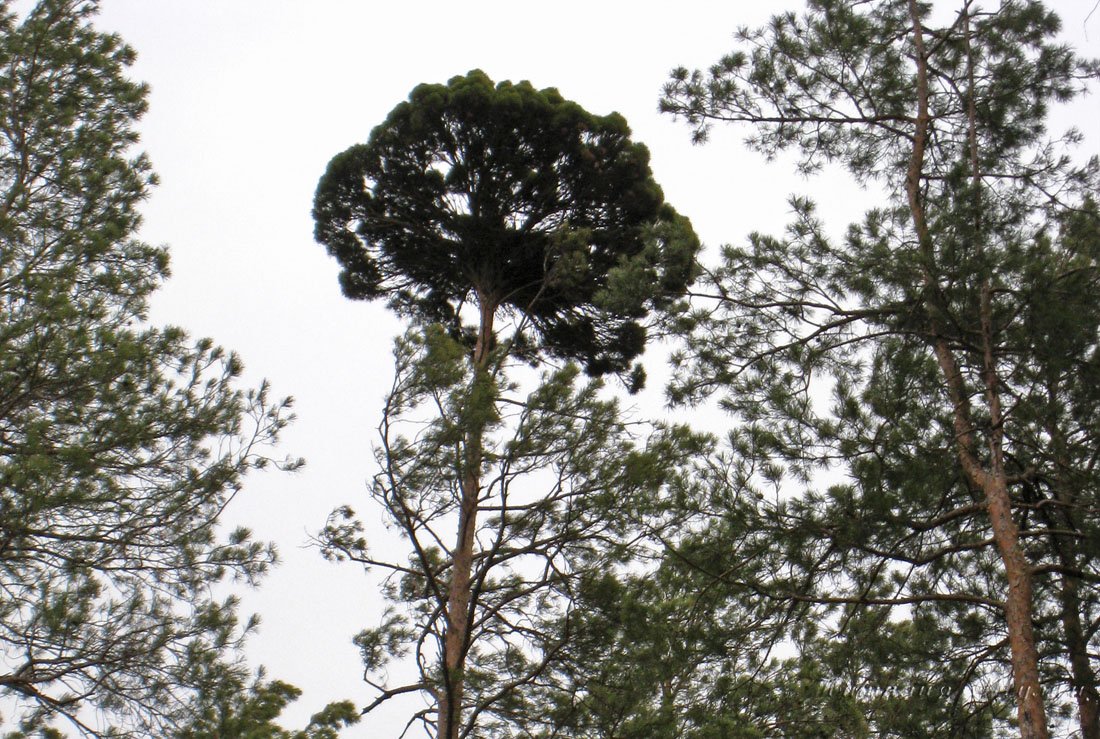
(513, 199)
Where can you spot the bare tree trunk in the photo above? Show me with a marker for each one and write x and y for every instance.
(1021, 639)
(1084, 678)
(993, 482)
(1017, 607)
(1073, 629)
(459, 613)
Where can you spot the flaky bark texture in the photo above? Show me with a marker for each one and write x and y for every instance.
(992, 481)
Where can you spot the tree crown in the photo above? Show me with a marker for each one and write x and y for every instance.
(514, 199)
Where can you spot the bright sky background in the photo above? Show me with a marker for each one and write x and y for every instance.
(251, 98)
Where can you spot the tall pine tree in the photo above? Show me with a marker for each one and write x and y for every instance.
(510, 225)
(953, 323)
(120, 444)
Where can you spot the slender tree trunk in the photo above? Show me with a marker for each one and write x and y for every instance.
(993, 481)
(1006, 537)
(1021, 639)
(1018, 605)
(1084, 678)
(459, 612)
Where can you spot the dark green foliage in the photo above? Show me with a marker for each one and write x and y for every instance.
(747, 629)
(505, 195)
(473, 203)
(955, 326)
(229, 709)
(568, 486)
(120, 444)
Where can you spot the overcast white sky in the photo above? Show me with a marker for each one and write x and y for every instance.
(251, 98)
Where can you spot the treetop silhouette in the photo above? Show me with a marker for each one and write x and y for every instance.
(511, 199)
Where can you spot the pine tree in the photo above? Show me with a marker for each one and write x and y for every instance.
(512, 207)
(956, 377)
(231, 706)
(120, 444)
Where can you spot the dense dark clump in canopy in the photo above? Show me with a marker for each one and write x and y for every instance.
(511, 198)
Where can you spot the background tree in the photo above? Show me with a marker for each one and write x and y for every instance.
(475, 200)
(928, 320)
(747, 627)
(119, 444)
(231, 706)
(759, 621)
